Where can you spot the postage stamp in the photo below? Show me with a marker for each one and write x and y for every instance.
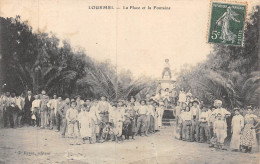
(227, 22)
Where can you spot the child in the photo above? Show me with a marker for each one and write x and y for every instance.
(203, 125)
(116, 117)
(130, 115)
(72, 116)
(34, 120)
(106, 132)
(236, 129)
(195, 110)
(220, 131)
(211, 121)
(36, 109)
(187, 125)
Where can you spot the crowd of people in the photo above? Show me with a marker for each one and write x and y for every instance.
(101, 120)
(81, 120)
(196, 122)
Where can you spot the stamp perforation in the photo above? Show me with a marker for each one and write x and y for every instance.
(228, 2)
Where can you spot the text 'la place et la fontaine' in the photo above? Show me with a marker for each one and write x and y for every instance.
(129, 7)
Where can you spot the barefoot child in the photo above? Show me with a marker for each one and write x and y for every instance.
(220, 131)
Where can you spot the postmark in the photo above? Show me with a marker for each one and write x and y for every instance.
(227, 23)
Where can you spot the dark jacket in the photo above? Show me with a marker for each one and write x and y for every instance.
(27, 103)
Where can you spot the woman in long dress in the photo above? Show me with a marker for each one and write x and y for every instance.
(248, 138)
(86, 124)
(237, 126)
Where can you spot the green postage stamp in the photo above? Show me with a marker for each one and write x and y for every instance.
(227, 23)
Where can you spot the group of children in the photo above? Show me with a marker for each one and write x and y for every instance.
(195, 122)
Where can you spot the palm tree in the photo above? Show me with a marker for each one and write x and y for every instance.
(251, 89)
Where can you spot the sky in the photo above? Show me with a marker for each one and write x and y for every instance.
(138, 40)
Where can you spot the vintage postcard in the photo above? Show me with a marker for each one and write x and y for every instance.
(224, 26)
(130, 81)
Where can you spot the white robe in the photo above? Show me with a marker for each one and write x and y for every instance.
(159, 112)
(237, 125)
(86, 124)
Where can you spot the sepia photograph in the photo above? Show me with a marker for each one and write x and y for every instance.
(130, 81)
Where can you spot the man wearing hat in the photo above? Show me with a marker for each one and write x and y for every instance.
(27, 107)
(103, 110)
(224, 113)
(142, 117)
(132, 102)
(150, 117)
(10, 108)
(220, 112)
(88, 102)
(195, 110)
(211, 120)
(57, 115)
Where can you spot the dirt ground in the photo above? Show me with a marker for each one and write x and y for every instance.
(32, 145)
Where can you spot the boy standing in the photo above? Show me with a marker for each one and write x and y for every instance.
(195, 120)
(203, 125)
(211, 121)
(187, 124)
(141, 121)
(36, 110)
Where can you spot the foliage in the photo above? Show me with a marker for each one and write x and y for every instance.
(230, 73)
(39, 61)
